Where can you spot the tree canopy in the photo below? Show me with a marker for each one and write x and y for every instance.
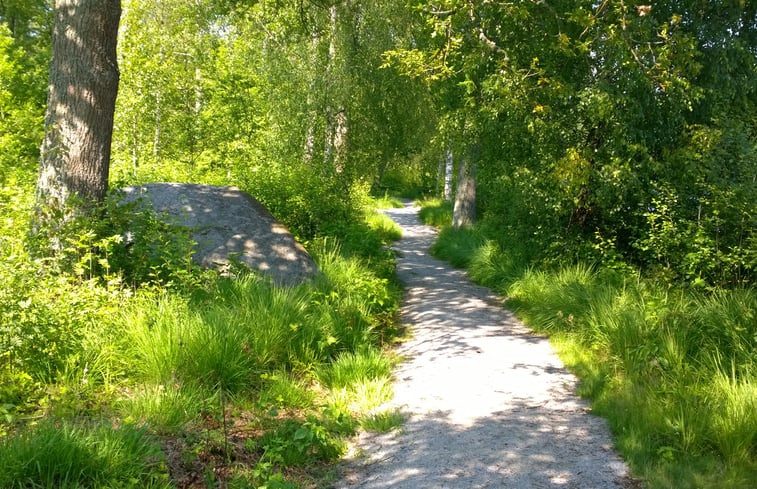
(621, 132)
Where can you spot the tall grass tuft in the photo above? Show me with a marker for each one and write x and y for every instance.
(457, 246)
(166, 409)
(67, 456)
(734, 416)
(436, 212)
(352, 368)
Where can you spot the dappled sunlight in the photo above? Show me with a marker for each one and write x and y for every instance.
(229, 225)
(487, 402)
(524, 447)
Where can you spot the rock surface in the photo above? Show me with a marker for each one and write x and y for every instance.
(228, 222)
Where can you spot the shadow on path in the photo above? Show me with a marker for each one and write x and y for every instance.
(488, 404)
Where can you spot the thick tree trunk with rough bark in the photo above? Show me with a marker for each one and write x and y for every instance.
(464, 212)
(80, 105)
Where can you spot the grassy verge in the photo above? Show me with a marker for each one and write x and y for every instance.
(436, 212)
(387, 201)
(192, 379)
(673, 370)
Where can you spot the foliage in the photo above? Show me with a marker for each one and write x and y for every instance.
(254, 95)
(176, 348)
(21, 110)
(611, 132)
(293, 443)
(614, 134)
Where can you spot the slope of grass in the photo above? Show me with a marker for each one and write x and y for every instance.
(192, 379)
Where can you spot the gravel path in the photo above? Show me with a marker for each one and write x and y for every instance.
(487, 404)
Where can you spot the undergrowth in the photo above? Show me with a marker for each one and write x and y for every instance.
(126, 366)
(671, 368)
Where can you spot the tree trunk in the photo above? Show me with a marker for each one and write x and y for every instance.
(81, 100)
(448, 175)
(464, 213)
(328, 150)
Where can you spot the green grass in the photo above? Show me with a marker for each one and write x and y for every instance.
(457, 246)
(387, 201)
(383, 421)
(383, 226)
(166, 409)
(351, 368)
(673, 370)
(284, 389)
(67, 456)
(435, 212)
(677, 387)
(201, 376)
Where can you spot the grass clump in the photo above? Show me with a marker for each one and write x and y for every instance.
(70, 456)
(383, 421)
(456, 245)
(354, 368)
(387, 201)
(672, 368)
(436, 212)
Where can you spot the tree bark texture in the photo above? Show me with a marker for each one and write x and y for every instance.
(464, 212)
(81, 102)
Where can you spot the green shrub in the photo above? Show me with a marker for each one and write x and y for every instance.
(300, 443)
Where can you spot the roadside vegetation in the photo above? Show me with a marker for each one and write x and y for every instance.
(671, 366)
(608, 147)
(149, 372)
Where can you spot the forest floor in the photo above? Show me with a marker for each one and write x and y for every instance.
(486, 402)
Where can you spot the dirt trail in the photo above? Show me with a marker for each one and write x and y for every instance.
(488, 404)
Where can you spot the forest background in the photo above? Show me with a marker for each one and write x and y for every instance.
(612, 149)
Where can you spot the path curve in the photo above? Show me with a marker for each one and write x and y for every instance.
(487, 404)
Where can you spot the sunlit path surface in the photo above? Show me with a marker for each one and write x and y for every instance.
(487, 403)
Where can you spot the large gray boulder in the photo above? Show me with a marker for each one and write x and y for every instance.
(227, 222)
